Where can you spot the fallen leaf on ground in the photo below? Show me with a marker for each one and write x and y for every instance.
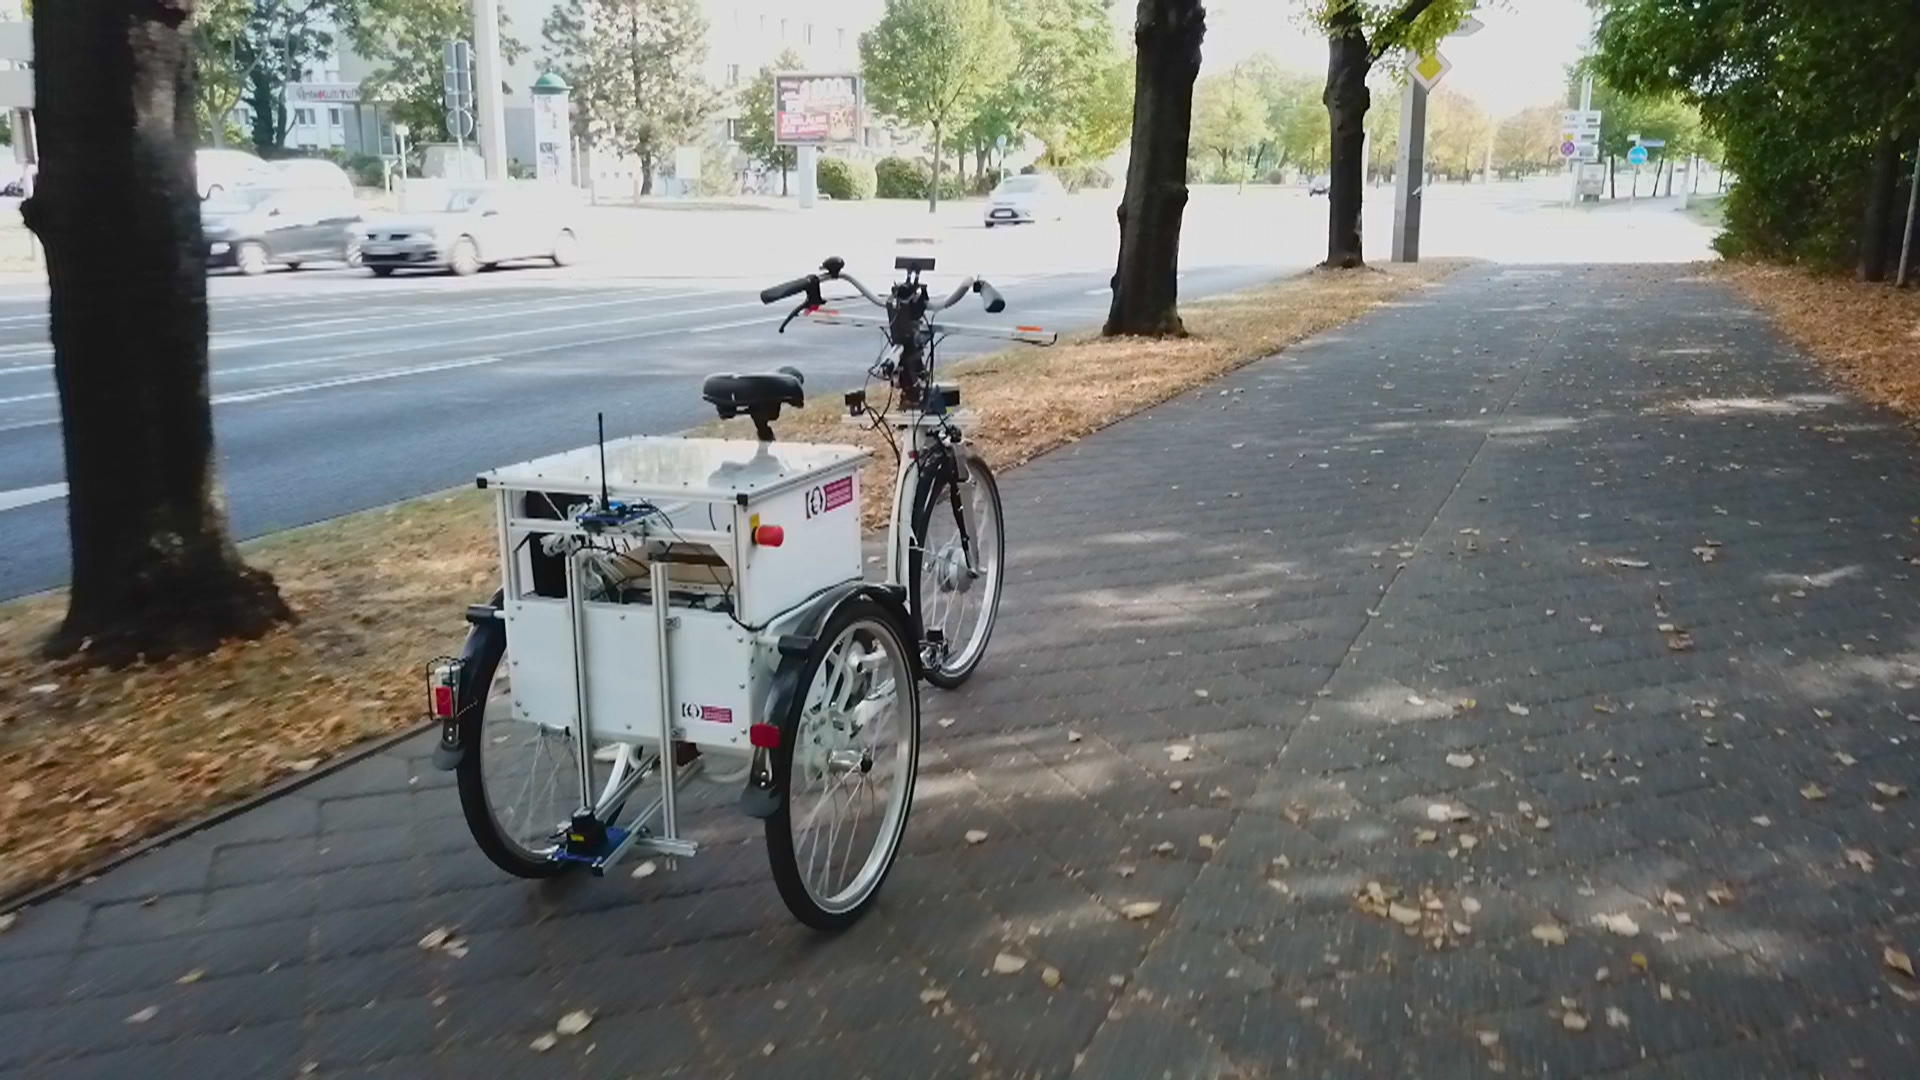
(1164, 847)
(1470, 905)
(1891, 791)
(1425, 836)
(976, 836)
(1543, 823)
(1898, 961)
(1073, 736)
(1860, 858)
(1180, 752)
(435, 937)
(1617, 1018)
(152, 1011)
(1673, 899)
(1207, 841)
(1518, 710)
(1550, 934)
(1008, 964)
(191, 977)
(945, 721)
(1219, 793)
(1140, 909)
(1488, 1038)
(1761, 820)
(931, 996)
(7, 921)
(1468, 842)
(1176, 785)
(1573, 1021)
(1050, 976)
(1460, 761)
(1813, 793)
(1845, 758)
(574, 1022)
(1403, 914)
(1720, 895)
(646, 869)
(543, 1043)
(1617, 922)
(1630, 564)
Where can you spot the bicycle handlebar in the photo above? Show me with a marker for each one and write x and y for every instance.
(990, 296)
(810, 284)
(776, 293)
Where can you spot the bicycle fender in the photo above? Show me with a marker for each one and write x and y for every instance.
(486, 643)
(762, 799)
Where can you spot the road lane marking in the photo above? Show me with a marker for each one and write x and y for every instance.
(19, 497)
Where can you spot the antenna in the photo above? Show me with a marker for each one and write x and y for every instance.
(601, 419)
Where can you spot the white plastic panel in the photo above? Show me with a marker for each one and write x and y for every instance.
(712, 662)
(663, 467)
(821, 548)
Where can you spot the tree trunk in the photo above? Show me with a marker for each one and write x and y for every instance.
(785, 167)
(1613, 183)
(1347, 100)
(960, 167)
(1883, 181)
(933, 189)
(155, 572)
(1146, 287)
(646, 174)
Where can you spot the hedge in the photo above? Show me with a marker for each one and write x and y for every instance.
(842, 179)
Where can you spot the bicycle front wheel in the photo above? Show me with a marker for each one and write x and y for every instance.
(955, 570)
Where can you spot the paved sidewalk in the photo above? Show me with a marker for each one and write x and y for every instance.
(1588, 560)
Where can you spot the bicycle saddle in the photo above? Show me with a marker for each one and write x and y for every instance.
(734, 394)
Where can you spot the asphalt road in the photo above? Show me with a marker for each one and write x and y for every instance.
(334, 391)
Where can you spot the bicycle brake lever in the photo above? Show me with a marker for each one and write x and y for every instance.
(805, 306)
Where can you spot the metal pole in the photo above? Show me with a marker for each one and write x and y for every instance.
(808, 179)
(489, 104)
(1410, 184)
(1913, 214)
(660, 588)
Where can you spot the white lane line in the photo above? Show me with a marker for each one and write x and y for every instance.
(1104, 290)
(236, 340)
(18, 497)
(244, 396)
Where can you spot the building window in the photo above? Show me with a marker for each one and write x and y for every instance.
(333, 117)
(733, 129)
(303, 116)
(733, 74)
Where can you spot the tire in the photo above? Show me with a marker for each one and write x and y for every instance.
(810, 771)
(464, 259)
(381, 271)
(250, 258)
(566, 249)
(942, 591)
(989, 224)
(293, 266)
(352, 255)
(494, 746)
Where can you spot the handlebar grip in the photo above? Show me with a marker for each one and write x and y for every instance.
(990, 296)
(773, 294)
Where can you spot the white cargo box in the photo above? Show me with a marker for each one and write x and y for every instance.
(708, 497)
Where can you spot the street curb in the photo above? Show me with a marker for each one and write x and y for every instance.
(39, 894)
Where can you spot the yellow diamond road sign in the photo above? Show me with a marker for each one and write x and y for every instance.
(1428, 70)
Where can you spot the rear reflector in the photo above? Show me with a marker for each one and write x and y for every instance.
(764, 736)
(443, 702)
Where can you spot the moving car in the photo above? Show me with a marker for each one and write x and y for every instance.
(1320, 185)
(1026, 198)
(474, 227)
(253, 227)
(221, 171)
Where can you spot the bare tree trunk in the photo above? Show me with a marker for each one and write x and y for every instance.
(1883, 182)
(1146, 287)
(1347, 101)
(933, 189)
(155, 572)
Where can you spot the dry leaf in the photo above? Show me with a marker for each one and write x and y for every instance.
(1402, 914)
(1460, 761)
(1425, 836)
(191, 977)
(1518, 710)
(574, 1022)
(1550, 934)
(1008, 964)
(1891, 791)
(152, 1011)
(1813, 793)
(1488, 1038)
(1219, 793)
(1124, 869)
(1468, 842)
(1543, 823)
(1630, 564)
(646, 869)
(1618, 922)
(7, 921)
(1573, 1021)
(976, 836)
(1164, 847)
(1470, 905)
(1860, 858)
(1898, 961)
(945, 721)
(1617, 1018)
(1141, 909)
(1176, 785)
(435, 937)
(543, 1043)
(1720, 895)
(931, 996)
(1845, 758)
(1761, 820)
(1180, 752)
(1207, 841)
(1673, 899)
(1073, 736)
(1050, 976)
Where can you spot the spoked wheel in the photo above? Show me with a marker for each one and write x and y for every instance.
(519, 782)
(955, 570)
(849, 749)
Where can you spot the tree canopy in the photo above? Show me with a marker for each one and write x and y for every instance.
(753, 131)
(1813, 100)
(932, 63)
(634, 66)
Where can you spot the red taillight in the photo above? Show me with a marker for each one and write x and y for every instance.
(443, 702)
(769, 535)
(764, 736)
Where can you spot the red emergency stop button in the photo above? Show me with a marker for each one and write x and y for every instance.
(769, 535)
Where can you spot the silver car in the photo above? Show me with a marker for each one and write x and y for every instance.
(474, 227)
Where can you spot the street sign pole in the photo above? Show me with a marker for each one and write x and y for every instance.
(1410, 183)
(1913, 218)
(488, 108)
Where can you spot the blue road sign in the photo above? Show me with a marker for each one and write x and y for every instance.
(1637, 156)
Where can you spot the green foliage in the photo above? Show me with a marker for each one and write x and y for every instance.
(252, 49)
(1229, 125)
(1390, 25)
(1797, 93)
(840, 178)
(406, 42)
(901, 178)
(1528, 142)
(1084, 177)
(754, 129)
(1458, 132)
(634, 66)
(934, 62)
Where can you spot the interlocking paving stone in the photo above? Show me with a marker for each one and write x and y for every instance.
(1412, 567)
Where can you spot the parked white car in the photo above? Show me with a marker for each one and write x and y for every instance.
(1026, 198)
(220, 171)
(474, 227)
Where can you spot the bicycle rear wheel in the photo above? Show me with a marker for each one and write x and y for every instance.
(519, 781)
(955, 569)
